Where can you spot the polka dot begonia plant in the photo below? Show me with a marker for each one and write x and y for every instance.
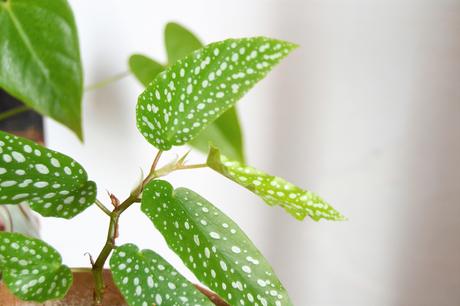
(212, 246)
(225, 131)
(273, 190)
(190, 101)
(185, 98)
(145, 278)
(32, 269)
(52, 183)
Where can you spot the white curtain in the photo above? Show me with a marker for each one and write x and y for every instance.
(366, 113)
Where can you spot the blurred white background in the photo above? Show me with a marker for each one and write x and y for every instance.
(366, 113)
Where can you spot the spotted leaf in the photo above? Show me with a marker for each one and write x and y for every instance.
(225, 132)
(32, 269)
(145, 278)
(212, 246)
(273, 190)
(188, 96)
(52, 183)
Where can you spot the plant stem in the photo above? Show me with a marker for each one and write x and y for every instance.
(155, 162)
(108, 247)
(98, 265)
(196, 166)
(103, 208)
(13, 112)
(107, 81)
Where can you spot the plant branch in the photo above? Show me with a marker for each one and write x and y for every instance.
(216, 299)
(105, 82)
(195, 166)
(103, 208)
(98, 266)
(13, 112)
(134, 197)
(155, 162)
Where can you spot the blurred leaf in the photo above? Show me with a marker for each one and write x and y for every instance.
(274, 190)
(145, 278)
(32, 269)
(188, 96)
(212, 246)
(144, 68)
(40, 58)
(52, 183)
(224, 133)
(179, 42)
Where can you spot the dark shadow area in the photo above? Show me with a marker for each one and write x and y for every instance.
(27, 124)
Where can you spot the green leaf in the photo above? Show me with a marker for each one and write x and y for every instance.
(144, 68)
(179, 42)
(188, 96)
(32, 269)
(40, 58)
(273, 190)
(212, 246)
(224, 133)
(52, 183)
(145, 278)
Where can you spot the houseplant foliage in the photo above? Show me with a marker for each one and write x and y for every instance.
(43, 71)
(182, 101)
(175, 107)
(225, 131)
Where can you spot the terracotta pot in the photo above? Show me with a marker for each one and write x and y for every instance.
(80, 294)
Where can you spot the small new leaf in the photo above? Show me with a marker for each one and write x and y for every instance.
(144, 68)
(40, 58)
(274, 190)
(32, 269)
(212, 246)
(188, 96)
(179, 42)
(145, 278)
(52, 183)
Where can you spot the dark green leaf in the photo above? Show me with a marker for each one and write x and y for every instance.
(145, 278)
(40, 58)
(188, 96)
(52, 183)
(274, 190)
(32, 269)
(144, 68)
(212, 246)
(179, 42)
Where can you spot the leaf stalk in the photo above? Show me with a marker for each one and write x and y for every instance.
(134, 197)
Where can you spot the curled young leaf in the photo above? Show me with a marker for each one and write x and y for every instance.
(212, 246)
(145, 278)
(32, 269)
(52, 183)
(40, 58)
(188, 96)
(274, 190)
